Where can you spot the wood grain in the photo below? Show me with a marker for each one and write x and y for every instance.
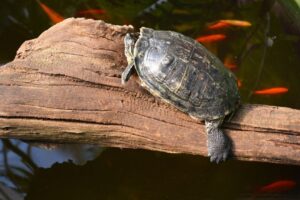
(64, 86)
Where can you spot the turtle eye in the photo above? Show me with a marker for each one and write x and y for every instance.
(167, 60)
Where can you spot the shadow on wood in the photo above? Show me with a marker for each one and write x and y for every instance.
(65, 86)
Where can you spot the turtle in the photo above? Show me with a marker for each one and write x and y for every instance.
(185, 74)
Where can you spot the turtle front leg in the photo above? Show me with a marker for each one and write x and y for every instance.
(218, 143)
(127, 73)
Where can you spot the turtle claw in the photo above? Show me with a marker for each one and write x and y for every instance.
(212, 158)
(225, 155)
(218, 155)
(215, 159)
(218, 152)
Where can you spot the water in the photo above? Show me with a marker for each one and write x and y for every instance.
(266, 55)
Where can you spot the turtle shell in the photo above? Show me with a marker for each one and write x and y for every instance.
(185, 74)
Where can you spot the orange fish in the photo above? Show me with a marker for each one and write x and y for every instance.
(228, 22)
(229, 62)
(278, 186)
(90, 12)
(54, 16)
(218, 25)
(211, 38)
(239, 83)
(271, 91)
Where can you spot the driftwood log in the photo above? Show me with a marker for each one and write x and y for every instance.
(65, 87)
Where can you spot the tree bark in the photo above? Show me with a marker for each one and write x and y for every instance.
(64, 86)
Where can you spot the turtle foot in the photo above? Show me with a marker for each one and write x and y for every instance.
(219, 145)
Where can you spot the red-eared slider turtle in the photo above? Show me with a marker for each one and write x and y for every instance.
(185, 74)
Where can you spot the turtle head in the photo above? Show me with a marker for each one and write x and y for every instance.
(129, 42)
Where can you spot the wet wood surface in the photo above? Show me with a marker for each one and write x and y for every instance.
(65, 87)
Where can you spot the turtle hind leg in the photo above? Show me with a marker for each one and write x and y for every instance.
(218, 143)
